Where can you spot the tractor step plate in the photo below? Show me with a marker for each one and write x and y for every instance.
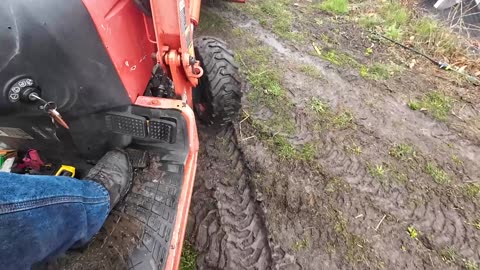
(163, 130)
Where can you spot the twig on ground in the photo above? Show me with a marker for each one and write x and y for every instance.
(379, 223)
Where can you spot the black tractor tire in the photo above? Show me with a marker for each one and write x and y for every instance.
(218, 95)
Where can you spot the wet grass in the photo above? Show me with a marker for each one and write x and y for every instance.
(472, 190)
(470, 265)
(402, 151)
(286, 151)
(377, 171)
(448, 255)
(437, 173)
(337, 58)
(311, 71)
(210, 21)
(437, 104)
(266, 85)
(334, 6)
(353, 148)
(189, 257)
(300, 245)
(412, 232)
(327, 118)
(379, 71)
(275, 15)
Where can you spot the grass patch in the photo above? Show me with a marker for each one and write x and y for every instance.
(437, 173)
(266, 86)
(353, 149)
(394, 13)
(470, 265)
(189, 257)
(318, 106)
(394, 32)
(311, 71)
(210, 21)
(448, 255)
(437, 38)
(300, 245)
(334, 6)
(327, 117)
(379, 71)
(286, 151)
(338, 58)
(343, 119)
(471, 190)
(402, 151)
(437, 104)
(276, 15)
(377, 171)
(412, 232)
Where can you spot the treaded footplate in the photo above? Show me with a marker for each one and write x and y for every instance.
(163, 130)
(125, 123)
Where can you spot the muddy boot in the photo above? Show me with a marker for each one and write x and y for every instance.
(114, 172)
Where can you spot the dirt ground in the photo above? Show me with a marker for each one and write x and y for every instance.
(343, 173)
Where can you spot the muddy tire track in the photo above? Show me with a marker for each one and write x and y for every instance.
(440, 215)
(225, 218)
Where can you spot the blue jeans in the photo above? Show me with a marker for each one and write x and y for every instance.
(43, 216)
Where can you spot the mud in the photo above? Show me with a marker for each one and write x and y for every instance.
(332, 212)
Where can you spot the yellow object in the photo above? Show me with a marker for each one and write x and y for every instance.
(66, 170)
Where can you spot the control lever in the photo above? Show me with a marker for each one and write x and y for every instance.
(50, 107)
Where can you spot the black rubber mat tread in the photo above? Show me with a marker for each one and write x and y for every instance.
(228, 224)
(220, 87)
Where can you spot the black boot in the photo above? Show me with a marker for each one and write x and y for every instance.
(114, 172)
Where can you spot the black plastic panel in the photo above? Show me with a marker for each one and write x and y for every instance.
(56, 43)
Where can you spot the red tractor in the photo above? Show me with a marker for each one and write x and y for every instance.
(81, 77)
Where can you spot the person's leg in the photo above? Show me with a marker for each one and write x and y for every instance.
(43, 216)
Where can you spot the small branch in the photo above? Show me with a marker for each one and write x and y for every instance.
(379, 223)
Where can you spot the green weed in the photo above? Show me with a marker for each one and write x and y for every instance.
(285, 150)
(472, 190)
(378, 71)
(334, 6)
(448, 255)
(457, 160)
(437, 173)
(394, 32)
(370, 21)
(189, 257)
(318, 106)
(338, 58)
(395, 14)
(437, 104)
(377, 171)
(412, 232)
(343, 119)
(470, 265)
(476, 224)
(437, 38)
(354, 149)
(402, 151)
(301, 244)
(276, 15)
(368, 51)
(311, 71)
